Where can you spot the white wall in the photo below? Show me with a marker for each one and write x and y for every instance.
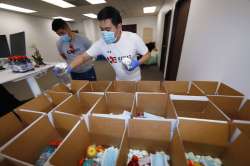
(37, 31)
(143, 22)
(216, 45)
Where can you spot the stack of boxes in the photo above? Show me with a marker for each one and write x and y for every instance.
(191, 122)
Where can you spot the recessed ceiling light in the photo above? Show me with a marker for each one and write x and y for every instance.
(60, 3)
(91, 15)
(93, 2)
(150, 9)
(64, 18)
(15, 8)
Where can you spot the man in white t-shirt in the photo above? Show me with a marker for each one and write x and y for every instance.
(116, 45)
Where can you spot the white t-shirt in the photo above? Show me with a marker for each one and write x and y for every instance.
(129, 45)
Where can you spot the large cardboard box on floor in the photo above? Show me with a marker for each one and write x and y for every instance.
(181, 88)
(96, 86)
(122, 86)
(79, 104)
(149, 86)
(212, 138)
(14, 123)
(216, 88)
(196, 107)
(74, 86)
(114, 103)
(157, 104)
(102, 131)
(45, 102)
(27, 147)
(152, 136)
(230, 105)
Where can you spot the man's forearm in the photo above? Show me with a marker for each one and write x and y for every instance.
(144, 58)
(80, 59)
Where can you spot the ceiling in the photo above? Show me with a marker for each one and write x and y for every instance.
(128, 8)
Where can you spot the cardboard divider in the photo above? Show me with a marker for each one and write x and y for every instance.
(45, 102)
(216, 88)
(176, 87)
(96, 86)
(244, 126)
(74, 86)
(212, 138)
(79, 104)
(195, 108)
(181, 88)
(149, 86)
(230, 105)
(154, 136)
(11, 125)
(154, 103)
(103, 131)
(122, 86)
(114, 103)
(27, 147)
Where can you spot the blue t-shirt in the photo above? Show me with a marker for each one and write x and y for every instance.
(74, 48)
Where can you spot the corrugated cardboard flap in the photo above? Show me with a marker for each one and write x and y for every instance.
(176, 87)
(76, 85)
(227, 90)
(149, 86)
(208, 87)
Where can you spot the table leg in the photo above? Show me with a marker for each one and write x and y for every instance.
(36, 91)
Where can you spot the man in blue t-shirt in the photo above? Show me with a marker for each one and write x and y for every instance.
(70, 45)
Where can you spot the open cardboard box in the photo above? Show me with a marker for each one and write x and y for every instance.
(122, 86)
(181, 88)
(27, 147)
(230, 105)
(153, 136)
(216, 88)
(243, 126)
(74, 86)
(115, 103)
(96, 86)
(103, 131)
(79, 104)
(208, 137)
(14, 123)
(149, 86)
(196, 107)
(154, 103)
(45, 102)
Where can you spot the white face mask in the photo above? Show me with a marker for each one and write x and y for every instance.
(109, 37)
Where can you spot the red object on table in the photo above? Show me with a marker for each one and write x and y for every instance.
(134, 161)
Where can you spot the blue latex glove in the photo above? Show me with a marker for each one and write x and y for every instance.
(134, 64)
(68, 69)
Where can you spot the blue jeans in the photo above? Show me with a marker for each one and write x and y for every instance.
(88, 75)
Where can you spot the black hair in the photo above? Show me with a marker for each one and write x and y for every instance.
(110, 12)
(58, 24)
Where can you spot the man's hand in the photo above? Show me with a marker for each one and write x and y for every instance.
(134, 64)
(61, 69)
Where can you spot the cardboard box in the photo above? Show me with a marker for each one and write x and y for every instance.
(216, 88)
(102, 131)
(154, 103)
(152, 136)
(122, 86)
(149, 86)
(115, 103)
(13, 124)
(196, 107)
(181, 88)
(45, 102)
(80, 104)
(204, 137)
(230, 105)
(243, 126)
(96, 86)
(27, 147)
(74, 87)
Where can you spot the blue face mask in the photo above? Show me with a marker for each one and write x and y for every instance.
(109, 37)
(66, 38)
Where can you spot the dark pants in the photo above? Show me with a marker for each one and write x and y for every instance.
(88, 75)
